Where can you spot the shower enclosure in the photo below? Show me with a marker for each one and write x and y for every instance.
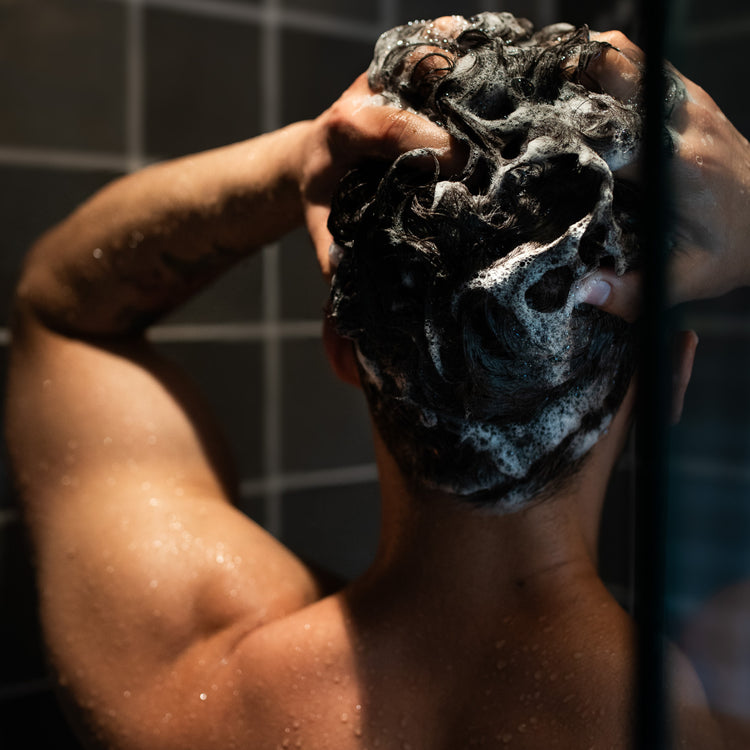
(92, 89)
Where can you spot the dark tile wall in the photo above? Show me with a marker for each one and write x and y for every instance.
(366, 10)
(334, 528)
(63, 64)
(709, 512)
(304, 292)
(202, 82)
(315, 69)
(32, 199)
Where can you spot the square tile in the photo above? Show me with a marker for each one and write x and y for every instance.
(304, 292)
(230, 377)
(236, 296)
(365, 10)
(255, 508)
(316, 69)
(201, 80)
(620, 14)
(63, 81)
(707, 64)
(715, 11)
(31, 201)
(325, 423)
(335, 528)
(716, 414)
(709, 535)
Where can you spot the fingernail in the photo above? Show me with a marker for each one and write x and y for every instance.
(593, 291)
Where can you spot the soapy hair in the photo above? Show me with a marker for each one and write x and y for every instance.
(485, 377)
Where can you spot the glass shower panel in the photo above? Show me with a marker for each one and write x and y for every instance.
(708, 541)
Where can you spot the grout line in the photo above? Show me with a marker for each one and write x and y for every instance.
(62, 159)
(388, 14)
(240, 332)
(337, 477)
(224, 332)
(330, 25)
(271, 57)
(700, 468)
(134, 86)
(263, 14)
(720, 31)
(718, 325)
(546, 12)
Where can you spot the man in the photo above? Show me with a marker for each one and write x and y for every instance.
(176, 622)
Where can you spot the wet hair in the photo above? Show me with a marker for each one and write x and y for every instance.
(485, 378)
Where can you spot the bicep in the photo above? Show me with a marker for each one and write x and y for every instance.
(140, 553)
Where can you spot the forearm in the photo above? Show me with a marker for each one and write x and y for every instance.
(148, 241)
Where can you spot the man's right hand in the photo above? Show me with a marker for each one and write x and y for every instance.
(711, 184)
(356, 127)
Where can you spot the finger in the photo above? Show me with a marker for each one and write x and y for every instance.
(387, 132)
(615, 73)
(362, 125)
(617, 295)
(316, 219)
(620, 42)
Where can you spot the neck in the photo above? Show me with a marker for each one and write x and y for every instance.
(440, 553)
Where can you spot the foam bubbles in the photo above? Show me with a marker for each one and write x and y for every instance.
(485, 373)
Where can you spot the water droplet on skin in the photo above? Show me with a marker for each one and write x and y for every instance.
(699, 160)
(203, 696)
(344, 718)
(98, 253)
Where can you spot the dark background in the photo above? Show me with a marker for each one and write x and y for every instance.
(90, 89)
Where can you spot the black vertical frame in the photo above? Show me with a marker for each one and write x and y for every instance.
(652, 728)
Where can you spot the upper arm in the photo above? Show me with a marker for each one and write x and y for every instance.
(143, 562)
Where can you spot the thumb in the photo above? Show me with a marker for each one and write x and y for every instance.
(617, 295)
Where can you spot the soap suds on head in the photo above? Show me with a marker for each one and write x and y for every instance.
(486, 377)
